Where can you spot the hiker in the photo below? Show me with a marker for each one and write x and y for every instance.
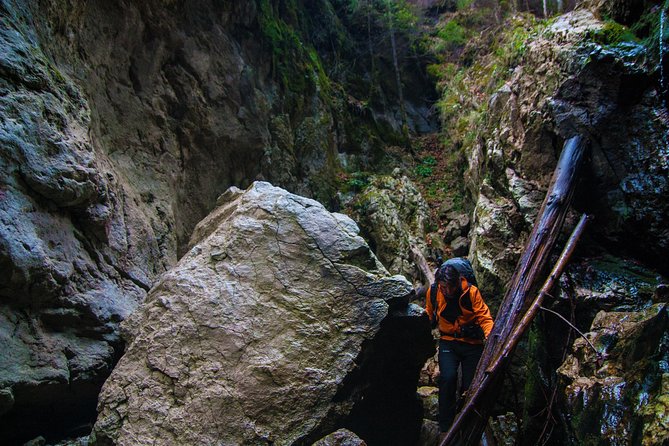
(456, 307)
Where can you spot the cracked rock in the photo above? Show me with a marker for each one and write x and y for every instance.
(254, 348)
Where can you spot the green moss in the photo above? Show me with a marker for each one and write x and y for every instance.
(452, 33)
(612, 33)
(295, 63)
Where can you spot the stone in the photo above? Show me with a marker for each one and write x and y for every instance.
(392, 212)
(568, 84)
(258, 346)
(429, 434)
(618, 393)
(121, 125)
(342, 437)
(505, 429)
(430, 398)
(460, 247)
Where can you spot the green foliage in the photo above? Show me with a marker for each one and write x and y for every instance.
(353, 182)
(463, 4)
(648, 29)
(612, 33)
(295, 63)
(453, 33)
(423, 171)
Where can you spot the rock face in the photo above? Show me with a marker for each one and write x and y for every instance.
(253, 337)
(618, 394)
(574, 78)
(77, 253)
(392, 213)
(567, 84)
(121, 125)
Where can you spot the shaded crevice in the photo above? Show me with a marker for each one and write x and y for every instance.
(387, 409)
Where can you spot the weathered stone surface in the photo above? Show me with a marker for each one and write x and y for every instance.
(121, 124)
(430, 399)
(569, 84)
(618, 395)
(251, 337)
(505, 429)
(342, 437)
(76, 252)
(429, 434)
(392, 213)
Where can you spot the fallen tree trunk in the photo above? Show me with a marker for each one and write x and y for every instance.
(470, 422)
(424, 268)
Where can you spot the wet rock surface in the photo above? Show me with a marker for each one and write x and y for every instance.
(269, 330)
(616, 380)
(342, 437)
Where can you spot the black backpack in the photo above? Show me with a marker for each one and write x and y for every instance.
(464, 267)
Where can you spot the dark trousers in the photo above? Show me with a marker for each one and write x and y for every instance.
(451, 355)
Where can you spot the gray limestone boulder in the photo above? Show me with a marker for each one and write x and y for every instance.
(252, 337)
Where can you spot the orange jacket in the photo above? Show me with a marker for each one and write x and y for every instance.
(472, 309)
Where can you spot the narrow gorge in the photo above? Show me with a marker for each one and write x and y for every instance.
(208, 211)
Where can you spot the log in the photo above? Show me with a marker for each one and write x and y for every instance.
(470, 422)
(423, 266)
(425, 270)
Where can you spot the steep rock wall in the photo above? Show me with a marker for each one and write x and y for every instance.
(569, 84)
(577, 76)
(122, 123)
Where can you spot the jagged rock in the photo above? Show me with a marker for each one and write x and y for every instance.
(609, 283)
(505, 429)
(429, 374)
(458, 225)
(254, 336)
(392, 212)
(342, 437)
(430, 398)
(460, 247)
(618, 394)
(76, 253)
(496, 244)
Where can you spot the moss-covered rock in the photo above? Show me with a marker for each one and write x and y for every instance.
(392, 213)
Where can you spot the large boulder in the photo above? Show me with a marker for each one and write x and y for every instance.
(257, 334)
